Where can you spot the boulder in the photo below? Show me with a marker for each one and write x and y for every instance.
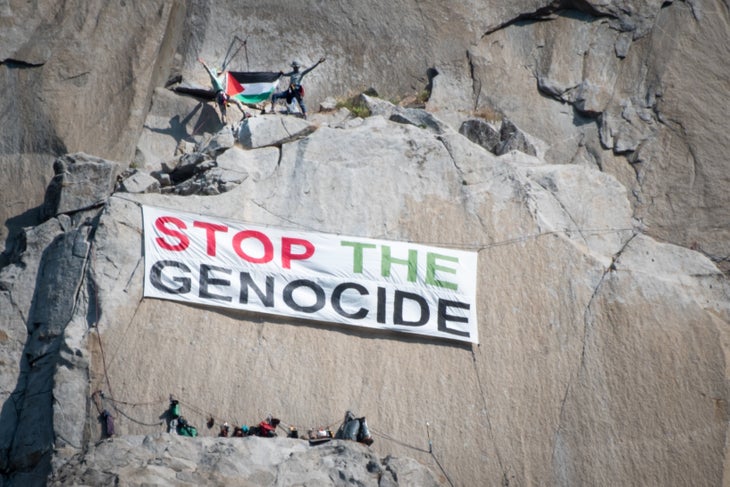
(335, 118)
(80, 182)
(139, 182)
(255, 163)
(328, 104)
(218, 143)
(481, 132)
(512, 138)
(418, 117)
(412, 116)
(567, 227)
(263, 131)
(377, 106)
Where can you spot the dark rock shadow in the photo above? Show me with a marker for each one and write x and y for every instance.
(15, 241)
(35, 384)
(179, 126)
(27, 437)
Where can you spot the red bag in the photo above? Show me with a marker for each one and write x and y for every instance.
(266, 429)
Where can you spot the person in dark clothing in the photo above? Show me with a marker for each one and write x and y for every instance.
(108, 422)
(295, 90)
(221, 97)
(173, 413)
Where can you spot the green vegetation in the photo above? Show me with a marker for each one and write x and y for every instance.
(423, 96)
(356, 106)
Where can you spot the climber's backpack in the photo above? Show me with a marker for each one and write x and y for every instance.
(175, 410)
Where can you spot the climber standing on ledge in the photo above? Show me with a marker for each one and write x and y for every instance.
(295, 89)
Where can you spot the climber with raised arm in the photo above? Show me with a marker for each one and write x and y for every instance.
(221, 97)
(295, 90)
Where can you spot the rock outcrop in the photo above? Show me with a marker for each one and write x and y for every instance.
(174, 460)
(572, 148)
(632, 91)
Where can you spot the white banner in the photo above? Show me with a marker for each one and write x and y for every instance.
(356, 281)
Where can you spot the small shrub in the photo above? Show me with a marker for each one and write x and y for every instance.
(356, 106)
(489, 114)
(423, 96)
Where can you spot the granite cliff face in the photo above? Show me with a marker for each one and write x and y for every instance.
(577, 146)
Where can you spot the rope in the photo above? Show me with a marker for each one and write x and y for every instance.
(113, 401)
(120, 411)
(125, 332)
(486, 410)
(241, 44)
(429, 451)
(97, 401)
(97, 396)
(460, 245)
(135, 404)
(103, 361)
(442, 469)
(219, 418)
(98, 335)
(195, 409)
(525, 238)
(477, 247)
(390, 438)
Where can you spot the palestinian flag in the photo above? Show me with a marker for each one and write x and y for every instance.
(251, 87)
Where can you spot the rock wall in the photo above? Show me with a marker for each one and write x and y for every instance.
(633, 92)
(602, 355)
(635, 88)
(592, 334)
(77, 76)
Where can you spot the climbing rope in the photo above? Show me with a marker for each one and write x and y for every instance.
(490, 430)
(416, 448)
(390, 438)
(134, 420)
(478, 247)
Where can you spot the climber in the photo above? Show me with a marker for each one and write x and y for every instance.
(241, 432)
(295, 89)
(355, 429)
(173, 413)
(105, 417)
(186, 429)
(224, 430)
(221, 97)
(108, 423)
